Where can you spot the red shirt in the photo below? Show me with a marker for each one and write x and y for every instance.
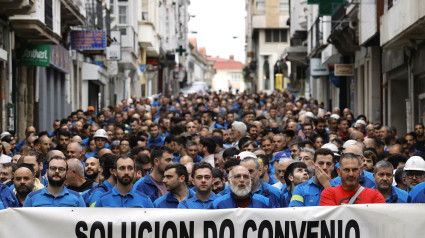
(337, 196)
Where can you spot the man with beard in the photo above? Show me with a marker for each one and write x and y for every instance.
(175, 179)
(321, 130)
(92, 169)
(156, 138)
(295, 174)
(218, 183)
(251, 162)
(191, 128)
(348, 192)
(75, 177)
(63, 138)
(24, 181)
(241, 195)
(415, 172)
(55, 194)
(36, 161)
(124, 194)
(91, 196)
(152, 184)
(383, 174)
(192, 150)
(202, 179)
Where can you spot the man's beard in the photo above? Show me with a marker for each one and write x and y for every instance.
(240, 192)
(56, 183)
(24, 190)
(92, 176)
(124, 182)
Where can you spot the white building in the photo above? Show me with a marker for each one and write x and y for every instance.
(267, 36)
(228, 75)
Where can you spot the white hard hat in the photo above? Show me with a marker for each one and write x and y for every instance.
(415, 163)
(360, 122)
(335, 116)
(348, 143)
(246, 154)
(101, 133)
(332, 147)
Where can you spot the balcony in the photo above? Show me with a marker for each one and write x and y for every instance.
(72, 12)
(12, 7)
(41, 25)
(148, 38)
(129, 47)
(403, 24)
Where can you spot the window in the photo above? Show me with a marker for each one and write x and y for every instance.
(277, 35)
(122, 14)
(283, 7)
(260, 6)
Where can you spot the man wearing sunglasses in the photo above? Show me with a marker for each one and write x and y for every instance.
(55, 194)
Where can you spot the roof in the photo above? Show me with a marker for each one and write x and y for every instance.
(221, 63)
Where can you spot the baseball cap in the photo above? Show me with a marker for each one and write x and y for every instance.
(246, 154)
(281, 155)
(332, 147)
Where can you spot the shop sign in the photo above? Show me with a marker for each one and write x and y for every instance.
(59, 58)
(88, 40)
(34, 55)
(317, 68)
(344, 70)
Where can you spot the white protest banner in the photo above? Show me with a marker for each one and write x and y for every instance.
(349, 221)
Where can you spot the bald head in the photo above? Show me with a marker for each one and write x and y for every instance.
(104, 151)
(185, 159)
(357, 136)
(395, 149)
(75, 165)
(354, 149)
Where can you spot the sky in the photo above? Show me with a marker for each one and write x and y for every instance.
(217, 22)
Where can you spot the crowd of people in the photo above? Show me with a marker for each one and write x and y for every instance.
(213, 151)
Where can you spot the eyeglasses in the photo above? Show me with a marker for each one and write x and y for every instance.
(418, 174)
(239, 176)
(54, 169)
(5, 173)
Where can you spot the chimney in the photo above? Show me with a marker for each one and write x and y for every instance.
(232, 57)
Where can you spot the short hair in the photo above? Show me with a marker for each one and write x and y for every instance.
(107, 162)
(57, 157)
(383, 164)
(191, 143)
(348, 156)
(77, 165)
(134, 120)
(230, 152)
(201, 165)
(217, 173)
(230, 163)
(307, 150)
(12, 165)
(28, 166)
(371, 153)
(240, 126)
(323, 151)
(290, 171)
(341, 119)
(65, 133)
(181, 170)
(395, 159)
(399, 175)
(209, 143)
(157, 152)
(37, 155)
(256, 161)
(121, 157)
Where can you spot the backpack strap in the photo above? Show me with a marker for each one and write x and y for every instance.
(353, 198)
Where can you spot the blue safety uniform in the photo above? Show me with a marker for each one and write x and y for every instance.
(114, 198)
(266, 190)
(308, 194)
(228, 201)
(42, 198)
(169, 200)
(146, 186)
(7, 197)
(417, 194)
(155, 141)
(91, 196)
(397, 196)
(195, 203)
